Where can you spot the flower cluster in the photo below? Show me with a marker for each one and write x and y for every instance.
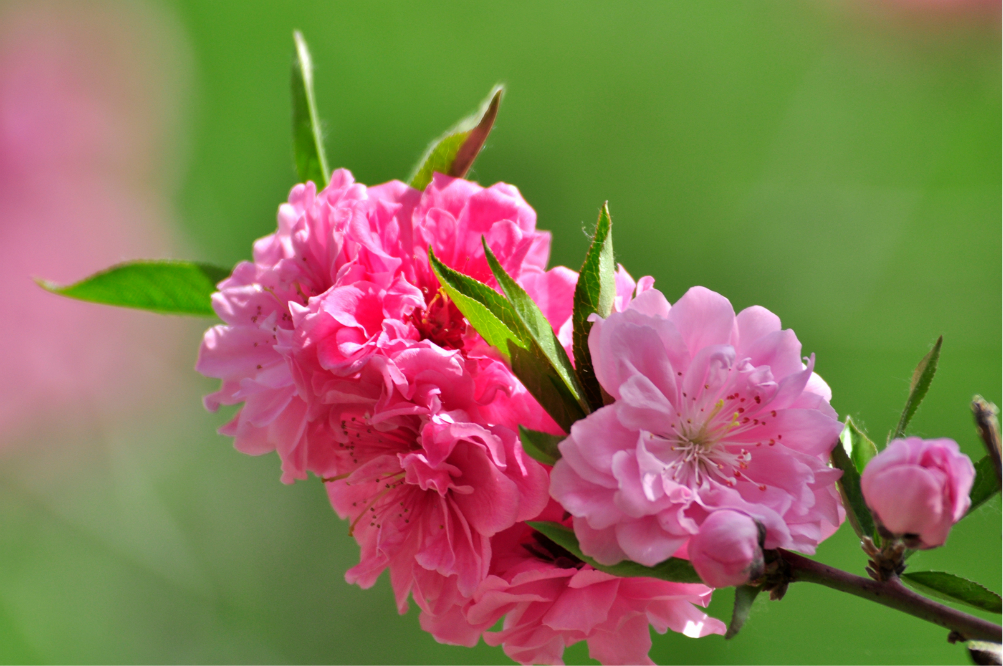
(353, 365)
(712, 444)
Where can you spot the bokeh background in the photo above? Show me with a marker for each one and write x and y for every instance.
(836, 162)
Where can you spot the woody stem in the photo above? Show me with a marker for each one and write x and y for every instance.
(891, 593)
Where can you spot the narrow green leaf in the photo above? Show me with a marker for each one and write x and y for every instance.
(541, 446)
(954, 588)
(673, 569)
(308, 143)
(985, 484)
(540, 330)
(744, 596)
(500, 325)
(167, 287)
(594, 294)
(853, 499)
(920, 384)
(541, 380)
(484, 308)
(857, 445)
(454, 152)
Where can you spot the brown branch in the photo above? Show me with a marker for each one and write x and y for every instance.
(891, 593)
(989, 428)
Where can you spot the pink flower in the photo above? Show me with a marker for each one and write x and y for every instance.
(429, 494)
(918, 488)
(344, 280)
(726, 551)
(354, 365)
(712, 411)
(454, 214)
(550, 600)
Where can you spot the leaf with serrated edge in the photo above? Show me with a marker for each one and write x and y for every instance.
(744, 596)
(165, 287)
(985, 484)
(857, 445)
(594, 294)
(922, 376)
(454, 152)
(539, 378)
(538, 327)
(954, 588)
(541, 446)
(498, 323)
(853, 499)
(674, 569)
(308, 144)
(484, 308)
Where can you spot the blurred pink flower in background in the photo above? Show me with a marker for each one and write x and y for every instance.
(88, 104)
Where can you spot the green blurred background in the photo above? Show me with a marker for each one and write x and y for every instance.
(838, 163)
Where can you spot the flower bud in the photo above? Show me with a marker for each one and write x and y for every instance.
(918, 488)
(726, 550)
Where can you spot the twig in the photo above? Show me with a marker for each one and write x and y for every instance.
(894, 594)
(989, 428)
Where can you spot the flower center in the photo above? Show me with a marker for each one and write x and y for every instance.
(440, 321)
(699, 452)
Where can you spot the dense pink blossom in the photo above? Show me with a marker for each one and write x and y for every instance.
(551, 599)
(726, 550)
(343, 280)
(918, 488)
(353, 365)
(712, 411)
(430, 493)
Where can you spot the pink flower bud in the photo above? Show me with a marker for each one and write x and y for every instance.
(726, 550)
(918, 488)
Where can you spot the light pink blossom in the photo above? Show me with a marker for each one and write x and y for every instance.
(726, 550)
(551, 599)
(712, 411)
(918, 488)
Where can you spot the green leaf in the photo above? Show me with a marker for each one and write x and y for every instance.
(920, 384)
(744, 596)
(538, 376)
(308, 144)
(594, 294)
(500, 325)
(853, 499)
(539, 329)
(541, 446)
(673, 569)
(454, 152)
(985, 484)
(954, 588)
(857, 445)
(167, 287)
(485, 309)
